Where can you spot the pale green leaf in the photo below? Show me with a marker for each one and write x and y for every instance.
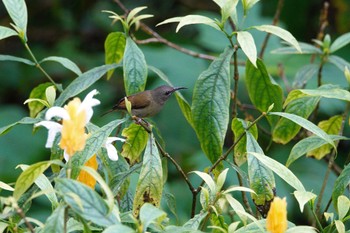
(343, 206)
(208, 180)
(3, 226)
(211, 95)
(150, 184)
(170, 20)
(221, 179)
(328, 216)
(50, 94)
(37, 99)
(16, 59)
(237, 207)
(135, 68)
(328, 91)
(191, 19)
(55, 222)
(340, 226)
(280, 170)
(303, 197)
(229, 9)
(303, 229)
(149, 213)
(6, 32)
(195, 222)
(134, 12)
(118, 228)
(6, 186)
(340, 185)
(137, 19)
(17, 10)
(338, 62)
(238, 188)
(248, 4)
(246, 41)
(114, 49)
(305, 49)
(282, 33)
(25, 121)
(67, 63)
(340, 42)
(304, 74)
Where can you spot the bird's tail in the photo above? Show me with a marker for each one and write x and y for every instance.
(109, 111)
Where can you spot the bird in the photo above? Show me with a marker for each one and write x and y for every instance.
(146, 103)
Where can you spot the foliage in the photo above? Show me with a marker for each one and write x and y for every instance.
(116, 204)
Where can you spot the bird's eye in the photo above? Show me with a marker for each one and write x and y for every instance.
(167, 92)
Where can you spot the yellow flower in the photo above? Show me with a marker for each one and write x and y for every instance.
(85, 177)
(276, 221)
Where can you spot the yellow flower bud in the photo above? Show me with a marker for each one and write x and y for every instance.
(276, 221)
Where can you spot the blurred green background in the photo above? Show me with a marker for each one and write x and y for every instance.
(77, 30)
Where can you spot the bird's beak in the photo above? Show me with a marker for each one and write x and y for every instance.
(178, 88)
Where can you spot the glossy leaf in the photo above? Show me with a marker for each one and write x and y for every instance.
(55, 222)
(328, 91)
(340, 42)
(303, 197)
(191, 19)
(330, 126)
(304, 74)
(27, 177)
(261, 178)
(6, 32)
(210, 105)
(67, 63)
(86, 202)
(38, 92)
(118, 228)
(238, 127)
(83, 82)
(339, 62)
(114, 49)
(286, 129)
(246, 41)
(280, 32)
(17, 10)
(95, 141)
(135, 68)
(149, 213)
(16, 59)
(305, 49)
(228, 8)
(308, 144)
(262, 90)
(150, 184)
(25, 121)
(340, 185)
(136, 141)
(308, 125)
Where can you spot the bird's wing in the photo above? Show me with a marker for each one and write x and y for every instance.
(138, 102)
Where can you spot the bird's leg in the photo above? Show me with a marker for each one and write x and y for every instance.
(143, 123)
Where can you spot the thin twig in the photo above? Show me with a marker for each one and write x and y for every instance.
(22, 215)
(274, 22)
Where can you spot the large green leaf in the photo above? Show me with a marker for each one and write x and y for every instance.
(238, 127)
(67, 63)
(17, 10)
(25, 121)
(114, 49)
(93, 144)
(86, 202)
(210, 105)
(306, 125)
(149, 213)
(246, 41)
(27, 177)
(6, 32)
(136, 141)
(340, 42)
(83, 82)
(55, 222)
(150, 184)
(309, 144)
(340, 185)
(262, 90)
(261, 178)
(135, 68)
(285, 129)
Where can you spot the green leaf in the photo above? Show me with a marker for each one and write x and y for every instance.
(248, 4)
(308, 125)
(328, 91)
(340, 226)
(93, 144)
(340, 42)
(27, 177)
(149, 213)
(304, 74)
(83, 82)
(25, 121)
(37, 93)
(135, 68)
(304, 229)
(282, 33)
(330, 126)
(228, 8)
(118, 228)
(338, 62)
(6, 186)
(308, 144)
(50, 94)
(134, 12)
(343, 206)
(246, 41)
(6, 32)
(210, 105)
(208, 180)
(285, 130)
(261, 178)
(86, 202)
(16, 59)
(191, 19)
(340, 185)
(305, 49)
(303, 197)
(238, 127)
(55, 222)
(150, 184)
(17, 10)
(195, 222)
(114, 49)
(262, 90)
(237, 207)
(136, 141)
(70, 65)
(184, 105)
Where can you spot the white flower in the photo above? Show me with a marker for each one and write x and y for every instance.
(111, 151)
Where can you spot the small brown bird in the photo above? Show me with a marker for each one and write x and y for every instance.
(147, 103)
